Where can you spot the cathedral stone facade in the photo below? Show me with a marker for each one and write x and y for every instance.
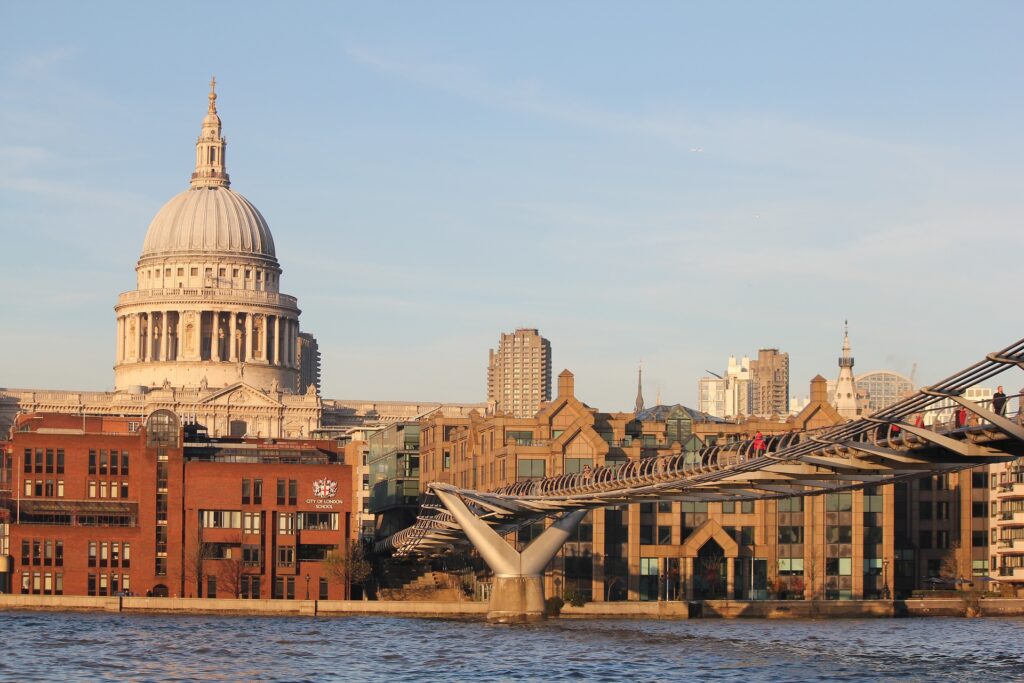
(207, 332)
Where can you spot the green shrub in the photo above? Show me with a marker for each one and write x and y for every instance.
(553, 606)
(575, 597)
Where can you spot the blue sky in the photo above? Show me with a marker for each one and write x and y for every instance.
(660, 181)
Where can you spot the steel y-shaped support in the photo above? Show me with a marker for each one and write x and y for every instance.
(517, 593)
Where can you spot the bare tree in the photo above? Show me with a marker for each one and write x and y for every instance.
(711, 567)
(348, 568)
(195, 564)
(951, 566)
(232, 568)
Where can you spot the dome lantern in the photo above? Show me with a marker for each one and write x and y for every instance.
(211, 170)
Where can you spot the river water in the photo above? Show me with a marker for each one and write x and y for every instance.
(101, 647)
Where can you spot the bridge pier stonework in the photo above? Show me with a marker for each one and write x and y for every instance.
(517, 593)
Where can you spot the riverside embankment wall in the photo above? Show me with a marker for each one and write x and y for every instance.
(243, 607)
(727, 609)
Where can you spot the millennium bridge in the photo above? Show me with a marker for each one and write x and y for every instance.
(890, 445)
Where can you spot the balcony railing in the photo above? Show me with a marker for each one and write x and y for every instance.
(208, 294)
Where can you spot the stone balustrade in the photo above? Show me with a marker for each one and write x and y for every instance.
(186, 295)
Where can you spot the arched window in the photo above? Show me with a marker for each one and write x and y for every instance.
(213, 155)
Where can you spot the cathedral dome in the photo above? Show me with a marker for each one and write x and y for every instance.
(209, 219)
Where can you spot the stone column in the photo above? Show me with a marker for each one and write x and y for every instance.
(215, 336)
(277, 340)
(283, 335)
(179, 333)
(155, 328)
(295, 344)
(285, 343)
(265, 336)
(730, 578)
(137, 349)
(233, 329)
(165, 329)
(147, 348)
(248, 337)
(120, 340)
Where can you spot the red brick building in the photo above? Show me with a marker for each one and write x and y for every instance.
(102, 505)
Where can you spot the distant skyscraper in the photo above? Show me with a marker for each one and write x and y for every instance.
(309, 362)
(846, 389)
(770, 383)
(519, 373)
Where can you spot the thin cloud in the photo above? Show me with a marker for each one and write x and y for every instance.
(39, 64)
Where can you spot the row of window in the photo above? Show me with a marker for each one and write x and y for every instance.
(42, 552)
(110, 554)
(45, 462)
(940, 540)
(251, 522)
(108, 489)
(49, 488)
(208, 272)
(108, 584)
(102, 462)
(42, 583)
(834, 566)
(252, 491)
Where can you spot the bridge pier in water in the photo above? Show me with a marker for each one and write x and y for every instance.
(517, 593)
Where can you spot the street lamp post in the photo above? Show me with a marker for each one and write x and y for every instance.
(885, 578)
(307, 586)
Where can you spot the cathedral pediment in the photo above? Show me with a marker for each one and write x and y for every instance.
(239, 394)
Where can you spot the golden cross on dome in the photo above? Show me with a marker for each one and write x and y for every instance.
(213, 94)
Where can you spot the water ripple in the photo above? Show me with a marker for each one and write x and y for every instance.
(102, 647)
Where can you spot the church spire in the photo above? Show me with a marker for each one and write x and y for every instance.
(210, 148)
(639, 389)
(846, 390)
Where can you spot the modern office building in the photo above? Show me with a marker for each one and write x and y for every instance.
(103, 505)
(519, 373)
(393, 462)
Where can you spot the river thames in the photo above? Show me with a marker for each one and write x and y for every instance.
(100, 647)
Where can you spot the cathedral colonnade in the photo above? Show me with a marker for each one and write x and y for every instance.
(224, 335)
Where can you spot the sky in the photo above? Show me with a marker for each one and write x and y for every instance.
(664, 182)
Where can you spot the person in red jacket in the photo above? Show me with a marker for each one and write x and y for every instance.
(961, 417)
(759, 444)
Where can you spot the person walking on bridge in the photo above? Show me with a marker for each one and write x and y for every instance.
(759, 444)
(999, 401)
